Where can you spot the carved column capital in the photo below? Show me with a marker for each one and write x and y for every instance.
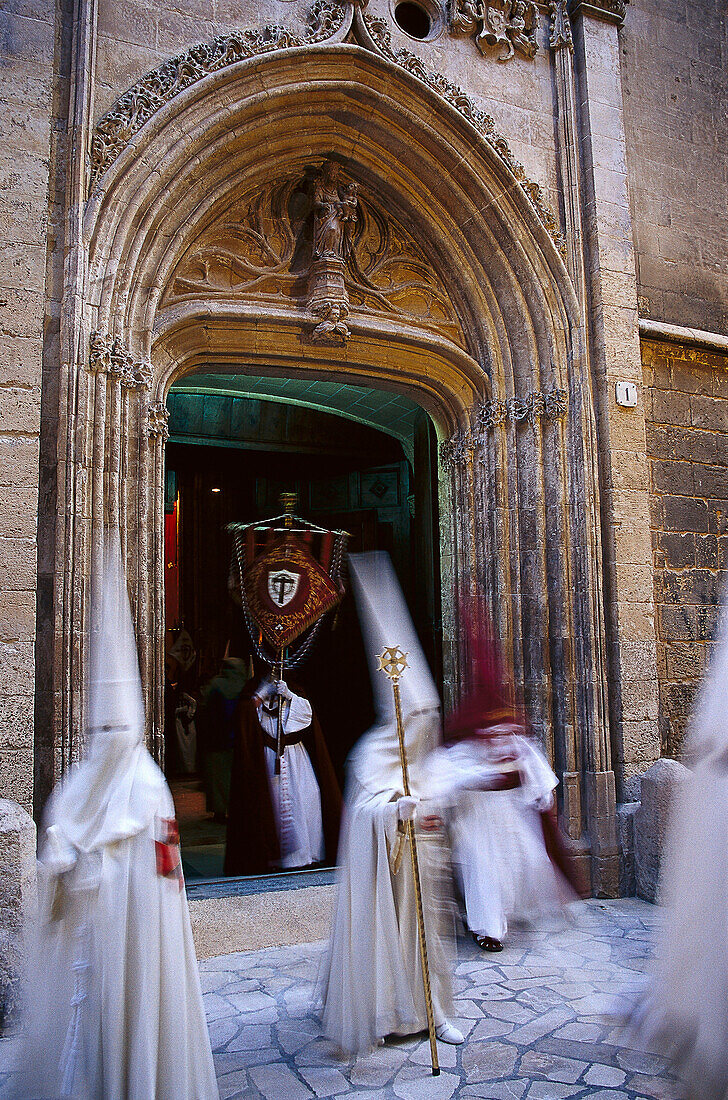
(158, 420)
(455, 451)
(107, 355)
(612, 11)
(535, 406)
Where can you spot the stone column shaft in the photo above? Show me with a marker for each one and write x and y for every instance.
(611, 295)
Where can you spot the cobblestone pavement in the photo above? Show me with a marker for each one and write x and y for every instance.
(540, 1020)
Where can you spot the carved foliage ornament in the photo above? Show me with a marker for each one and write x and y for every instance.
(158, 420)
(501, 25)
(552, 405)
(560, 36)
(116, 128)
(107, 355)
(314, 242)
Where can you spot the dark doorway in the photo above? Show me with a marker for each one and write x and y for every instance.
(346, 475)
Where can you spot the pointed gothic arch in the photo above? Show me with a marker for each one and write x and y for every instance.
(511, 399)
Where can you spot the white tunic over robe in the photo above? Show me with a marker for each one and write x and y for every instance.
(371, 980)
(114, 1008)
(497, 839)
(295, 792)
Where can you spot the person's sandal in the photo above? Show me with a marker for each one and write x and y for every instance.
(487, 943)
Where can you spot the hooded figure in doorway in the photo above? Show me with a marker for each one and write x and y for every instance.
(282, 819)
(114, 1007)
(371, 981)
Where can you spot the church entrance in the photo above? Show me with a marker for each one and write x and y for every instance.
(357, 459)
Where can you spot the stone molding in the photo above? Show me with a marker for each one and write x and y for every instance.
(107, 355)
(552, 405)
(612, 11)
(117, 127)
(379, 33)
(506, 25)
(158, 420)
(679, 334)
(560, 36)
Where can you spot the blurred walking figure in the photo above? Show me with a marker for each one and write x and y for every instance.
(506, 847)
(216, 724)
(114, 1008)
(685, 1011)
(372, 979)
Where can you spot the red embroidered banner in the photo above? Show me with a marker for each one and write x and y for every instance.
(287, 591)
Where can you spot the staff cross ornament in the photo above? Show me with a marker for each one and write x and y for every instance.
(392, 662)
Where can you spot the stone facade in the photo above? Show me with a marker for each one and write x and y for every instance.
(687, 449)
(17, 899)
(513, 165)
(27, 83)
(675, 80)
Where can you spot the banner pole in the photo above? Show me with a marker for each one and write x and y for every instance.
(393, 662)
(279, 728)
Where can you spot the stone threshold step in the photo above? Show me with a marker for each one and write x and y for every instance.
(247, 914)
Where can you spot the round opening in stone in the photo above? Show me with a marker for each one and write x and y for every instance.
(413, 19)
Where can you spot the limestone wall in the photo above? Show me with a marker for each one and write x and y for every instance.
(674, 56)
(26, 86)
(686, 398)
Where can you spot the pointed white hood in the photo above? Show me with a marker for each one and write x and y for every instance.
(113, 792)
(385, 621)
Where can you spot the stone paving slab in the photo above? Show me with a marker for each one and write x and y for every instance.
(541, 1020)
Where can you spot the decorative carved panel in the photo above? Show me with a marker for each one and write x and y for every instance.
(321, 244)
(500, 27)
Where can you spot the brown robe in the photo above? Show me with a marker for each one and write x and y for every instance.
(252, 846)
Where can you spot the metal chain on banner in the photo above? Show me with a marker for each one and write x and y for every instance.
(294, 659)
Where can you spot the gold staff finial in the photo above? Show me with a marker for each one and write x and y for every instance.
(288, 502)
(393, 662)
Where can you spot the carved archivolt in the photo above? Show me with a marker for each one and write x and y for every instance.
(318, 243)
(327, 20)
(453, 93)
(116, 128)
(107, 355)
(501, 25)
(536, 406)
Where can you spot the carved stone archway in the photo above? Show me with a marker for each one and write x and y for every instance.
(501, 368)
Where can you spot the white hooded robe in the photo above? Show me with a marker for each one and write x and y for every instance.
(114, 1008)
(372, 978)
(685, 1011)
(497, 839)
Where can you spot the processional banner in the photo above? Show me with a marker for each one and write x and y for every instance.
(287, 575)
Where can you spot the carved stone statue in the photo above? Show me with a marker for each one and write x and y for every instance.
(334, 213)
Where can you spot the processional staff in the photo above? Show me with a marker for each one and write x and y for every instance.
(288, 500)
(393, 662)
